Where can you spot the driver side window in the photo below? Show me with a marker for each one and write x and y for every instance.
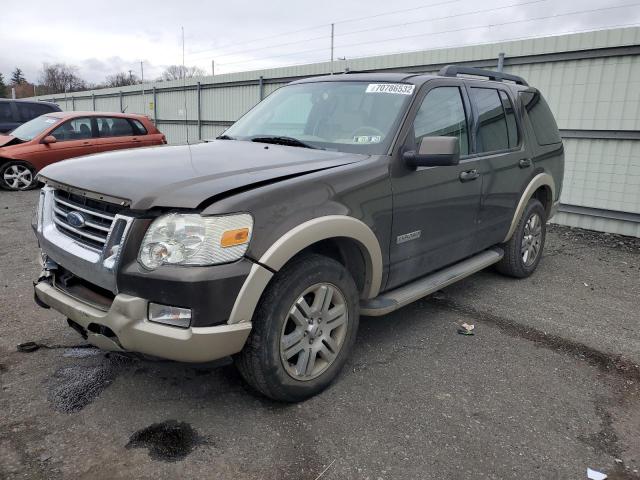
(442, 115)
(77, 129)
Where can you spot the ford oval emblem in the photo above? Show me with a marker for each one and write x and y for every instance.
(75, 219)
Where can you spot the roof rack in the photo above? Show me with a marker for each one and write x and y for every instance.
(455, 70)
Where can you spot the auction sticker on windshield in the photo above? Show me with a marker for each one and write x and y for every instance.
(398, 88)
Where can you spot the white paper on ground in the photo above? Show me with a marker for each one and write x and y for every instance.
(595, 475)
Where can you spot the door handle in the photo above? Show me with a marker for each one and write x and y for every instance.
(469, 175)
(524, 163)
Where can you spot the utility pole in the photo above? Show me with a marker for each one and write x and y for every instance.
(213, 68)
(144, 100)
(332, 31)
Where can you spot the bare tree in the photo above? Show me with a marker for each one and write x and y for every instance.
(60, 77)
(121, 79)
(178, 72)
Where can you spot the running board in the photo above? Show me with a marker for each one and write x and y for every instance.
(395, 299)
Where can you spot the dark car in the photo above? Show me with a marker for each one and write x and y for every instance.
(335, 197)
(14, 113)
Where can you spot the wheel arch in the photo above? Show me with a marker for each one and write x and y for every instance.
(542, 187)
(337, 236)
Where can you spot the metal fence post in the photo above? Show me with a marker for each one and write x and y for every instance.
(121, 102)
(155, 108)
(93, 101)
(261, 87)
(73, 103)
(199, 114)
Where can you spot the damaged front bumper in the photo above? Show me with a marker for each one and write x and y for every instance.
(125, 327)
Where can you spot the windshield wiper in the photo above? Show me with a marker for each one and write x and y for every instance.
(281, 140)
(224, 137)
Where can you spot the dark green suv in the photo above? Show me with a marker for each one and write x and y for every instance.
(335, 197)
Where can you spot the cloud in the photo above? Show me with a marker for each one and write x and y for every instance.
(115, 36)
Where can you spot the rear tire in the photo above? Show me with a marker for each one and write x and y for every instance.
(522, 253)
(16, 175)
(303, 330)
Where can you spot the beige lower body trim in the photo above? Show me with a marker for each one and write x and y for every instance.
(296, 240)
(542, 179)
(127, 317)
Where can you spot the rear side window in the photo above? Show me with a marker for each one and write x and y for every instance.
(114, 127)
(544, 125)
(442, 115)
(30, 111)
(493, 134)
(137, 124)
(510, 114)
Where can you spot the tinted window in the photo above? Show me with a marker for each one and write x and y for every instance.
(78, 129)
(544, 125)
(114, 127)
(442, 115)
(492, 125)
(5, 112)
(31, 110)
(512, 127)
(139, 127)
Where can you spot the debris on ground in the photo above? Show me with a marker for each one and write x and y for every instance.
(595, 475)
(28, 347)
(466, 329)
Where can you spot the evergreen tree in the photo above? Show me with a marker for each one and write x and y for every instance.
(3, 87)
(17, 77)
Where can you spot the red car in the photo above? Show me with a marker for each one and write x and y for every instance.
(60, 135)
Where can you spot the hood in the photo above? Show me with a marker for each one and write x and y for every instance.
(185, 176)
(8, 140)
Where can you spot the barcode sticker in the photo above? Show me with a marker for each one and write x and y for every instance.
(397, 88)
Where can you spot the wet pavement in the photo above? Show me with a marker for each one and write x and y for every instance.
(547, 387)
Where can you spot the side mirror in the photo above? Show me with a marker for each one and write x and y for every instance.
(434, 152)
(49, 139)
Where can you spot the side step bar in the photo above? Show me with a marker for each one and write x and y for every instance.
(395, 299)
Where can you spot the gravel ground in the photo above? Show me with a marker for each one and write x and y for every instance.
(547, 387)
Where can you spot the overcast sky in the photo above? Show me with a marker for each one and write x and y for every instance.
(102, 38)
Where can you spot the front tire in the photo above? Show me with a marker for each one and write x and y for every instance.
(16, 175)
(303, 330)
(523, 251)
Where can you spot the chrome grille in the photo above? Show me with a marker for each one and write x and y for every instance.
(96, 218)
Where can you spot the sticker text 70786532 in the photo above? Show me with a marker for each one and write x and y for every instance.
(397, 88)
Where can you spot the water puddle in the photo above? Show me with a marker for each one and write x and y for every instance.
(169, 441)
(74, 387)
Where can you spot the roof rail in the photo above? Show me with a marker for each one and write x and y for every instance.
(455, 70)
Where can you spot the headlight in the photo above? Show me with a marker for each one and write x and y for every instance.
(191, 239)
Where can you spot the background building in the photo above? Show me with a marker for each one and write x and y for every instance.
(591, 81)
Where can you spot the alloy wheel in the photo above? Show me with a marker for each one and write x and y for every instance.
(531, 240)
(314, 331)
(18, 177)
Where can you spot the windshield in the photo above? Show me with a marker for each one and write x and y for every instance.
(33, 128)
(357, 117)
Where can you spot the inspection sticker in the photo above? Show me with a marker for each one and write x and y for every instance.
(398, 88)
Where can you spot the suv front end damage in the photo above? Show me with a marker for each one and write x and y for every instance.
(82, 240)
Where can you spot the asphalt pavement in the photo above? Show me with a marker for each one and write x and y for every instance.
(547, 387)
